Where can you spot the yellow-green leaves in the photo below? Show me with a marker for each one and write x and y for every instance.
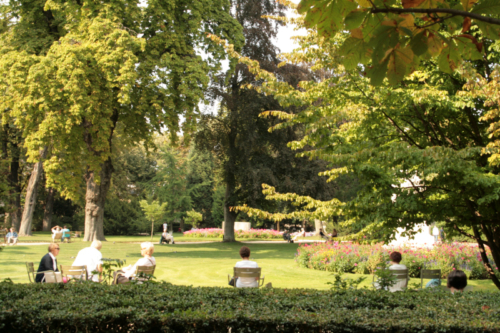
(417, 34)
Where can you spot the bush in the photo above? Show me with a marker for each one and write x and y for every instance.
(161, 307)
(363, 259)
(242, 234)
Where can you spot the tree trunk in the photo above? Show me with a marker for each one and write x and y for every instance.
(14, 214)
(318, 225)
(229, 216)
(182, 225)
(47, 211)
(94, 202)
(31, 191)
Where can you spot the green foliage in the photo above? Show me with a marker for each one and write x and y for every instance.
(124, 217)
(391, 38)
(218, 206)
(384, 279)
(72, 73)
(154, 212)
(345, 283)
(154, 307)
(193, 217)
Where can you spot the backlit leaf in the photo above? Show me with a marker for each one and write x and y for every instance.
(487, 7)
(467, 4)
(400, 61)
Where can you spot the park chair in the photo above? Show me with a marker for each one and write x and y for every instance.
(56, 236)
(75, 273)
(244, 272)
(429, 274)
(32, 273)
(142, 274)
(400, 274)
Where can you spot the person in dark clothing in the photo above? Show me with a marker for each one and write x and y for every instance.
(48, 262)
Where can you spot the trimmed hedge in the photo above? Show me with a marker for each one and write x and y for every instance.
(161, 307)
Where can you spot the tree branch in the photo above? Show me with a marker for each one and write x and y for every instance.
(455, 12)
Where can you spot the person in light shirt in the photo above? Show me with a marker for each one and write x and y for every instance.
(91, 257)
(246, 263)
(12, 236)
(147, 250)
(395, 265)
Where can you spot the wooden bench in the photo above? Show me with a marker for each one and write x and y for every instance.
(247, 272)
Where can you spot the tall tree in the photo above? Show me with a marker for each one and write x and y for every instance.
(435, 132)
(71, 72)
(249, 154)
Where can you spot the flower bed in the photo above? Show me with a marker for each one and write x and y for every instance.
(363, 259)
(219, 233)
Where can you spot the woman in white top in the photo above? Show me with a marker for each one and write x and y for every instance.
(246, 263)
(55, 230)
(147, 250)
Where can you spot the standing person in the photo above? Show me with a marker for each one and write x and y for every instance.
(91, 257)
(65, 234)
(12, 235)
(435, 233)
(246, 263)
(48, 262)
(165, 227)
(441, 234)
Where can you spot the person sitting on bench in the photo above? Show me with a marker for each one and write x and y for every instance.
(12, 236)
(167, 238)
(323, 235)
(287, 237)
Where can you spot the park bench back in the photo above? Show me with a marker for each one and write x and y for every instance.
(429, 274)
(247, 272)
(74, 272)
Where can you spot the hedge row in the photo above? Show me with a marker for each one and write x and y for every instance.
(161, 307)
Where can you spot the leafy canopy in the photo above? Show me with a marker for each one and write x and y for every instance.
(391, 37)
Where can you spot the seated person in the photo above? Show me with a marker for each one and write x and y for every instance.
(126, 273)
(90, 257)
(245, 262)
(457, 281)
(65, 234)
(55, 230)
(287, 237)
(302, 233)
(323, 234)
(48, 262)
(166, 237)
(334, 233)
(395, 265)
(12, 236)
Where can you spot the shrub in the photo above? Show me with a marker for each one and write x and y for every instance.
(243, 234)
(161, 307)
(349, 257)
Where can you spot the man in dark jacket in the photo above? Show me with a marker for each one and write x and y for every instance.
(48, 262)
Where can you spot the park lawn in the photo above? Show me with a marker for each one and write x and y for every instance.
(46, 237)
(195, 264)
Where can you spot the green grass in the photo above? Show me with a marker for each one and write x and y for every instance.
(193, 264)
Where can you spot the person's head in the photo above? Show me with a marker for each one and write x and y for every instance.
(12, 229)
(54, 249)
(96, 244)
(147, 249)
(457, 280)
(395, 257)
(58, 229)
(64, 227)
(244, 252)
